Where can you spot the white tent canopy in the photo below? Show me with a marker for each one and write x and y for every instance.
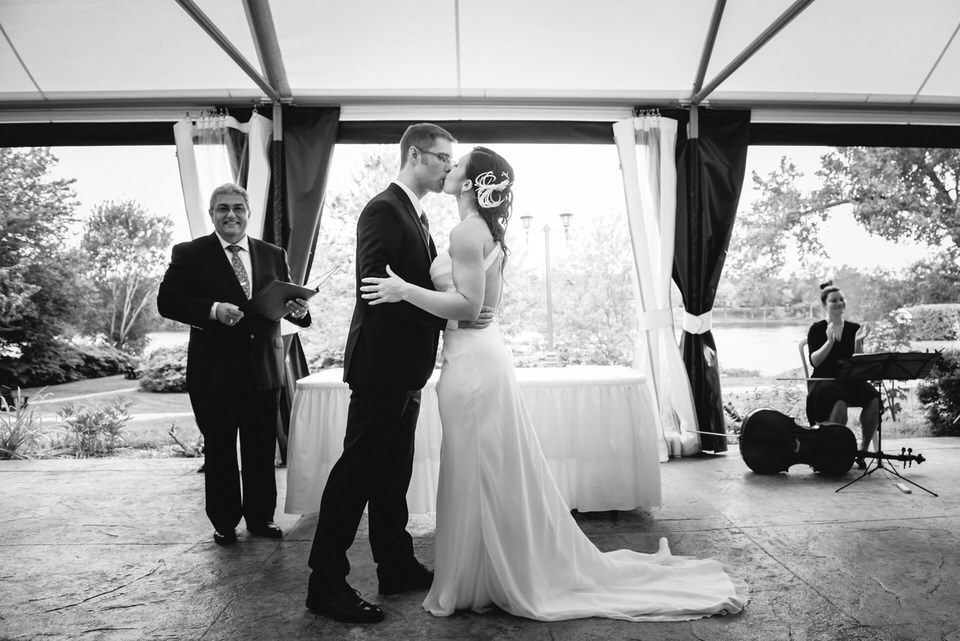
(895, 61)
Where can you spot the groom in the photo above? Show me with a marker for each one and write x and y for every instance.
(390, 353)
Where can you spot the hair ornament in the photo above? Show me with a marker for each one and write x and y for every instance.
(826, 284)
(486, 186)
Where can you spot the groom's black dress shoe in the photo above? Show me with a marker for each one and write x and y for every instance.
(346, 605)
(415, 577)
(225, 536)
(267, 529)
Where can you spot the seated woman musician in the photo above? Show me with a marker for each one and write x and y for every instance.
(830, 341)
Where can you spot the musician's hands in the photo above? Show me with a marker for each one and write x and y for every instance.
(863, 332)
(833, 331)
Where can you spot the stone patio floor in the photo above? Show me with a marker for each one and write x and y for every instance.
(120, 549)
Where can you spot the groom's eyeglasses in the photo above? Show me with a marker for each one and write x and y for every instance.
(446, 159)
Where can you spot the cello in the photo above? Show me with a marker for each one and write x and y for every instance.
(770, 442)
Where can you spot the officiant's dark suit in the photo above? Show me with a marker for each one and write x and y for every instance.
(390, 354)
(235, 363)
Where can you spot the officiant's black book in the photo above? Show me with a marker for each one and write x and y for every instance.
(271, 301)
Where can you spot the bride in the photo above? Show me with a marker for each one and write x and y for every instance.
(504, 535)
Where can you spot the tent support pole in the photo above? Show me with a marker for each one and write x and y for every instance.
(708, 45)
(260, 19)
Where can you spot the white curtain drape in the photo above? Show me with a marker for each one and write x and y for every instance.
(208, 157)
(646, 146)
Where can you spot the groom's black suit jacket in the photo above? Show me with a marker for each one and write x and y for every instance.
(392, 346)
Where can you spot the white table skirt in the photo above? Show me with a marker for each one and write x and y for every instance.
(595, 424)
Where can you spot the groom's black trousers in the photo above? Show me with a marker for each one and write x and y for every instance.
(373, 470)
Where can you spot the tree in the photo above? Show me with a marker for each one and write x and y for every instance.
(126, 247)
(41, 295)
(895, 193)
(595, 292)
(594, 315)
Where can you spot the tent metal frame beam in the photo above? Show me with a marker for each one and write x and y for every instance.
(224, 43)
(83, 105)
(708, 44)
(264, 33)
(782, 21)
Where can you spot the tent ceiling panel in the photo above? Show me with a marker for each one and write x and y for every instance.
(120, 46)
(482, 54)
(13, 77)
(574, 47)
(336, 45)
(860, 47)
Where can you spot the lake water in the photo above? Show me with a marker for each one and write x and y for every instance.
(768, 349)
(165, 339)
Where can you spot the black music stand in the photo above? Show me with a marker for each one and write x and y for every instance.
(876, 368)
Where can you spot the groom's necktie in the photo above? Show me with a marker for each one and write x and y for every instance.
(239, 269)
(425, 222)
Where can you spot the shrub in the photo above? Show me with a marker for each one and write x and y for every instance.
(61, 362)
(740, 372)
(788, 399)
(98, 360)
(326, 358)
(94, 431)
(21, 431)
(165, 370)
(940, 394)
(935, 322)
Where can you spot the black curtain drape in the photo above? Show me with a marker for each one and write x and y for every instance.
(710, 172)
(300, 163)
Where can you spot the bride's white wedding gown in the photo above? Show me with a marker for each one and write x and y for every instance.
(504, 535)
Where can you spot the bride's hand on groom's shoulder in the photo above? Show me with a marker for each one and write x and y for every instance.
(378, 290)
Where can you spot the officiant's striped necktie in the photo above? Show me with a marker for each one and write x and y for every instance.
(239, 269)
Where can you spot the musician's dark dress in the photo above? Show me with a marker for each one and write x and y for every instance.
(823, 395)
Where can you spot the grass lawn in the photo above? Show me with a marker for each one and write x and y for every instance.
(153, 413)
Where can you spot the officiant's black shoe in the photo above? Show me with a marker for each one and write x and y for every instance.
(225, 536)
(267, 529)
(346, 606)
(415, 577)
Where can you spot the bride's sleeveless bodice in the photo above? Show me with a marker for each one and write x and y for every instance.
(441, 270)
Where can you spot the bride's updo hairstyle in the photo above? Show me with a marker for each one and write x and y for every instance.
(492, 179)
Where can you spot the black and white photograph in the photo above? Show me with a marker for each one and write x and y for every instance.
(480, 320)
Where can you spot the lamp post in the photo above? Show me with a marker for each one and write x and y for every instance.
(527, 220)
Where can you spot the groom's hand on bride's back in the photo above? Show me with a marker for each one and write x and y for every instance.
(484, 319)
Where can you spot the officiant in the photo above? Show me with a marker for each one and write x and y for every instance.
(235, 361)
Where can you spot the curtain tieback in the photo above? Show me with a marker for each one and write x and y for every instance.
(654, 319)
(698, 324)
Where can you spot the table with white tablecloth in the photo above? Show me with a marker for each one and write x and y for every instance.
(596, 426)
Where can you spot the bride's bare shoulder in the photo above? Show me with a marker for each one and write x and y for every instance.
(471, 229)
